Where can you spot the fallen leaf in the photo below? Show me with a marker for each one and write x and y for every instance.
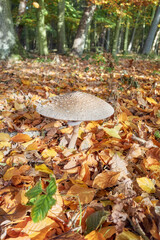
(146, 184)
(95, 235)
(48, 153)
(4, 137)
(43, 168)
(108, 232)
(113, 132)
(84, 194)
(20, 137)
(151, 100)
(10, 173)
(127, 235)
(106, 179)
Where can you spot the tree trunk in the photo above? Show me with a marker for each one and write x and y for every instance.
(79, 41)
(8, 39)
(152, 32)
(108, 39)
(42, 36)
(156, 42)
(22, 7)
(61, 27)
(126, 36)
(116, 37)
(133, 34)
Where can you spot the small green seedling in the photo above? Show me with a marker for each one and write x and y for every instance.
(41, 200)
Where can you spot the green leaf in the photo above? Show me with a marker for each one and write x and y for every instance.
(95, 220)
(41, 207)
(35, 191)
(157, 134)
(51, 189)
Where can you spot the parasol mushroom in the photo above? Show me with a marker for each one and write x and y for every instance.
(75, 107)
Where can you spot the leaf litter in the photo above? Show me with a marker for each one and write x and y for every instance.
(115, 167)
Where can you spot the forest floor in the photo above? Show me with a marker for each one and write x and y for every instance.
(109, 186)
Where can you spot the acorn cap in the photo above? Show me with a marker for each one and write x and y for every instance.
(75, 106)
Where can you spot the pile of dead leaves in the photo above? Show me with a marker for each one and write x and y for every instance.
(109, 186)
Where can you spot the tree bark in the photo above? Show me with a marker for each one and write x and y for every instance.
(152, 32)
(133, 34)
(115, 41)
(42, 36)
(22, 7)
(126, 36)
(79, 41)
(8, 41)
(61, 27)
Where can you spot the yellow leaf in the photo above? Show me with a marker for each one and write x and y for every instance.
(43, 168)
(94, 235)
(25, 82)
(4, 137)
(154, 168)
(127, 235)
(25, 145)
(48, 153)
(92, 125)
(122, 117)
(151, 100)
(1, 156)
(113, 132)
(67, 130)
(5, 144)
(19, 106)
(146, 184)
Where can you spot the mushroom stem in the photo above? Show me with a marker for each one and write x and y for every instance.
(74, 136)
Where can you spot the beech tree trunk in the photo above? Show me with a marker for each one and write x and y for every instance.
(79, 41)
(126, 35)
(133, 34)
(116, 37)
(152, 32)
(61, 27)
(42, 36)
(8, 41)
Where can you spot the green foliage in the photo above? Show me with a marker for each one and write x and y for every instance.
(157, 134)
(129, 80)
(95, 220)
(41, 200)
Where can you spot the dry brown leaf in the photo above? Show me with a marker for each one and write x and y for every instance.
(108, 232)
(106, 179)
(84, 194)
(84, 174)
(34, 229)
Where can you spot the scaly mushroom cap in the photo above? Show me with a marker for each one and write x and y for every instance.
(76, 106)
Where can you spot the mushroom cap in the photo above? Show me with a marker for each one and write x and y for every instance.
(75, 106)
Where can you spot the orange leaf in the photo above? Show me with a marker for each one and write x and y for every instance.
(10, 173)
(20, 137)
(108, 232)
(106, 179)
(94, 236)
(34, 229)
(84, 173)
